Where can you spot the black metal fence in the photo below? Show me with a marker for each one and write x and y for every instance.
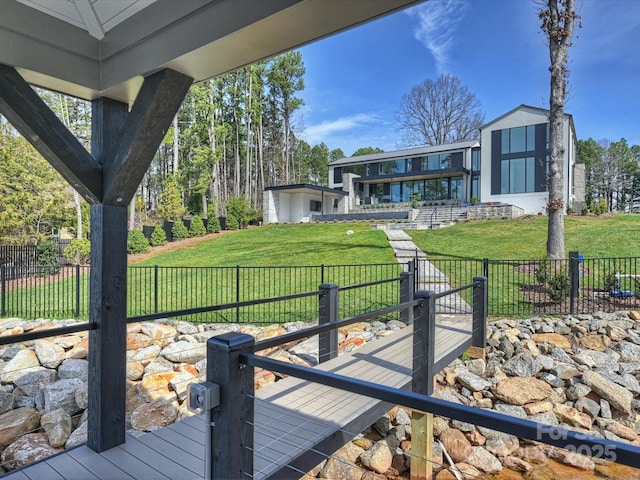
(38, 293)
(515, 287)
(543, 286)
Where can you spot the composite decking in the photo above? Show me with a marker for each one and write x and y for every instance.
(297, 423)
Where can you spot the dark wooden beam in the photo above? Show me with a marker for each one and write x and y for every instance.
(108, 293)
(155, 107)
(108, 341)
(26, 111)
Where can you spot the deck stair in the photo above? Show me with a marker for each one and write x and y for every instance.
(440, 216)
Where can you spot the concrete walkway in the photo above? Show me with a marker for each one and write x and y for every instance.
(429, 277)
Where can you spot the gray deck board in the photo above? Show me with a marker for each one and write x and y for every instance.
(295, 420)
(100, 466)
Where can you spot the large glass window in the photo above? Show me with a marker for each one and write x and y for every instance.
(519, 139)
(337, 175)
(518, 175)
(457, 188)
(442, 160)
(394, 166)
(395, 192)
(475, 187)
(475, 159)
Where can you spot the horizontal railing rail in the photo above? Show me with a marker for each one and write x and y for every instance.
(215, 308)
(625, 453)
(316, 330)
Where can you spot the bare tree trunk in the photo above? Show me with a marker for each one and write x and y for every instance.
(175, 144)
(132, 213)
(77, 201)
(557, 22)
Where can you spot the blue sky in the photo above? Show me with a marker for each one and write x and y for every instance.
(355, 80)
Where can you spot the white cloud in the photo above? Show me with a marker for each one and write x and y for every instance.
(321, 132)
(438, 21)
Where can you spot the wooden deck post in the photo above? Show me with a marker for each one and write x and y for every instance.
(108, 294)
(406, 295)
(479, 324)
(232, 447)
(328, 312)
(424, 335)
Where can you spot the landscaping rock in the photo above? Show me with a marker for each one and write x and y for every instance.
(27, 449)
(23, 362)
(57, 425)
(152, 416)
(184, 352)
(17, 422)
(50, 354)
(378, 458)
(62, 394)
(617, 396)
(456, 444)
(520, 391)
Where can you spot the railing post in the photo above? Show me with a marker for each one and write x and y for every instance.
(575, 280)
(479, 325)
(231, 452)
(406, 295)
(77, 291)
(3, 279)
(237, 293)
(328, 312)
(424, 338)
(155, 288)
(485, 267)
(424, 329)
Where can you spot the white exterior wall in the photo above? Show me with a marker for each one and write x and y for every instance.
(283, 207)
(532, 202)
(270, 209)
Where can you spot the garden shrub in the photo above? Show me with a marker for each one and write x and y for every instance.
(78, 252)
(541, 271)
(48, 256)
(213, 224)
(137, 242)
(196, 229)
(232, 222)
(179, 231)
(559, 286)
(158, 237)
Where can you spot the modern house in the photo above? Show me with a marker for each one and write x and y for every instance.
(507, 166)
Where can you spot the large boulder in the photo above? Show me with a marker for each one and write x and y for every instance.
(28, 449)
(520, 390)
(17, 422)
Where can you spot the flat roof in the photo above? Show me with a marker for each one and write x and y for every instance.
(410, 152)
(307, 188)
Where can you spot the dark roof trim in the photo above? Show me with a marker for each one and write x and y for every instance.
(306, 186)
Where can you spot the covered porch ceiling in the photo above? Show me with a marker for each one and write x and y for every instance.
(104, 48)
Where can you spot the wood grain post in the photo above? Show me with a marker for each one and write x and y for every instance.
(232, 446)
(108, 342)
(328, 312)
(107, 293)
(424, 329)
(480, 310)
(406, 295)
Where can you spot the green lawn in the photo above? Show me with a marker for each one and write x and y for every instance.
(594, 237)
(286, 245)
(208, 274)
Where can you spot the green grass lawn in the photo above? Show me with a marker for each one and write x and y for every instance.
(290, 247)
(286, 245)
(594, 237)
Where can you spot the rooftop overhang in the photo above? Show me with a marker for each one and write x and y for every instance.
(87, 49)
(309, 189)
